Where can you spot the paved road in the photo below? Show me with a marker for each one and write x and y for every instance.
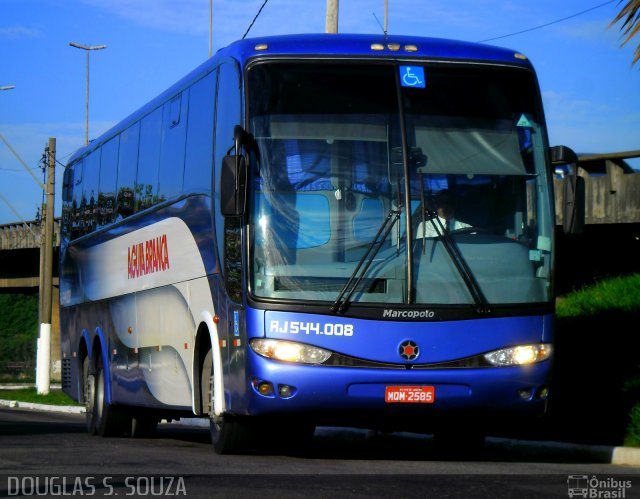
(338, 463)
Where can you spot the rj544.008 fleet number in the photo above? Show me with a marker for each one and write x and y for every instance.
(302, 327)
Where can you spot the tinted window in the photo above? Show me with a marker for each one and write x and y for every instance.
(76, 200)
(199, 155)
(228, 115)
(67, 199)
(149, 160)
(108, 180)
(127, 166)
(174, 131)
(89, 203)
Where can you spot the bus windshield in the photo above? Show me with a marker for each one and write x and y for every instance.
(456, 151)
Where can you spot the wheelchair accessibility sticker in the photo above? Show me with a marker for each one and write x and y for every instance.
(412, 76)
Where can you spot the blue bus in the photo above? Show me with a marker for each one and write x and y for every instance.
(344, 230)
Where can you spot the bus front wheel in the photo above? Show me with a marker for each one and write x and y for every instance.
(228, 435)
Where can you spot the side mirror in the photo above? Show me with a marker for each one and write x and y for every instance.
(563, 154)
(233, 188)
(574, 203)
(573, 208)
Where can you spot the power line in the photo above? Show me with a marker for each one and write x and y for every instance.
(254, 19)
(549, 23)
(18, 170)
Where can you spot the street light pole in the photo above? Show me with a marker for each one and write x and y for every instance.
(331, 22)
(87, 48)
(210, 28)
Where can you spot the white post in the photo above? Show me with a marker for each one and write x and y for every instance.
(331, 22)
(38, 353)
(43, 362)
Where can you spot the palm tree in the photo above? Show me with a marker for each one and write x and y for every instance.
(630, 13)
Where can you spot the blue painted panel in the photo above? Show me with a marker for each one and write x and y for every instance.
(379, 340)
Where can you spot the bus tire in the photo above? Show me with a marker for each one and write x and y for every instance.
(109, 420)
(89, 395)
(228, 435)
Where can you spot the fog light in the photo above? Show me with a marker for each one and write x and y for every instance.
(526, 393)
(286, 391)
(543, 393)
(265, 388)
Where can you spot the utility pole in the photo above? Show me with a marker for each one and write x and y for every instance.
(386, 17)
(331, 25)
(44, 341)
(210, 28)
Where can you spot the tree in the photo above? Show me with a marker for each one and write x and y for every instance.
(630, 17)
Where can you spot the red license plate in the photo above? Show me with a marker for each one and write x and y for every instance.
(410, 394)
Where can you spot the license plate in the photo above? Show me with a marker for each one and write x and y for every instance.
(410, 394)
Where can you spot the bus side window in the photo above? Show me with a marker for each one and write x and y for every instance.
(148, 160)
(89, 203)
(174, 135)
(199, 149)
(108, 180)
(228, 115)
(67, 199)
(76, 199)
(127, 167)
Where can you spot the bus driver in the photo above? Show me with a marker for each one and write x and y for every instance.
(444, 205)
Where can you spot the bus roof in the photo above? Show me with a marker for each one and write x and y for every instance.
(390, 47)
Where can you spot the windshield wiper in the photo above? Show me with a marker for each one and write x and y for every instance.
(482, 305)
(342, 301)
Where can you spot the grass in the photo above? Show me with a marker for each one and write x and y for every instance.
(54, 397)
(632, 438)
(597, 345)
(619, 294)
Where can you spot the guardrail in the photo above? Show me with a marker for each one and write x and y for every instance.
(25, 235)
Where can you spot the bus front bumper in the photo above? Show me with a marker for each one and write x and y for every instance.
(334, 394)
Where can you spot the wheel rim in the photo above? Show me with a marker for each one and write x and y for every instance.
(216, 420)
(89, 386)
(89, 393)
(100, 395)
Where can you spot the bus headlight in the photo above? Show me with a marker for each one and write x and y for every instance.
(289, 351)
(520, 355)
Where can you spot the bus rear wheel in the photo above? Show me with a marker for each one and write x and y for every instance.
(108, 420)
(89, 395)
(228, 434)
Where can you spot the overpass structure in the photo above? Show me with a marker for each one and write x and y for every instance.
(20, 255)
(20, 269)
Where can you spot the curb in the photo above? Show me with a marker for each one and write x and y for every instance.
(629, 456)
(67, 409)
(20, 386)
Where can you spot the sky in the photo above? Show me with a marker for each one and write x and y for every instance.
(590, 90)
